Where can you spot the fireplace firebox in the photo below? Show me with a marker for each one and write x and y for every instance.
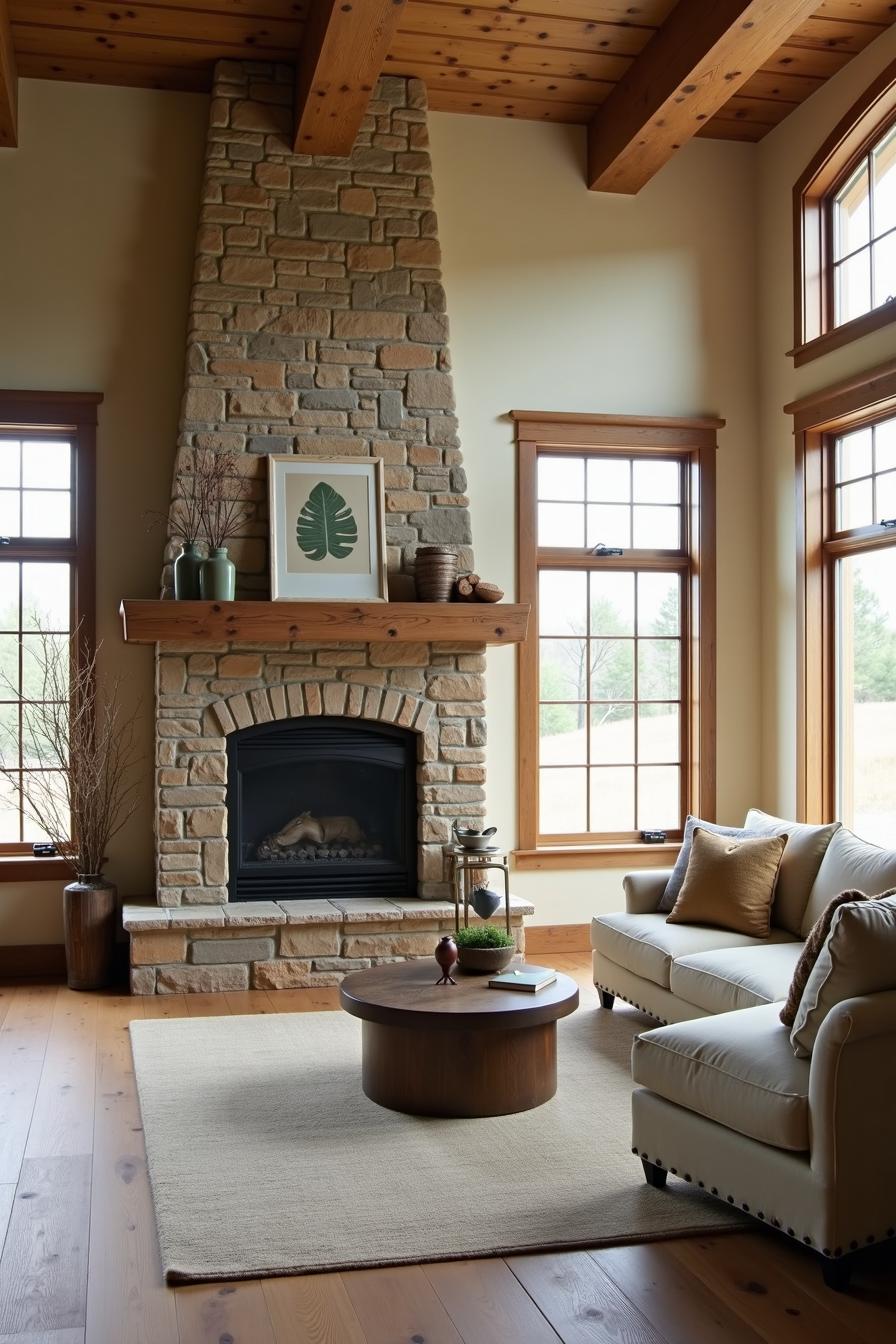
(322, 807)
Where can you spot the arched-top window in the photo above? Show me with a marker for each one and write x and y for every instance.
(845, 216)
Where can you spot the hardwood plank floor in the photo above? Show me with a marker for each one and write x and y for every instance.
(43, 1269)
(23, 1043)
(71, 1150)
(581, 1301)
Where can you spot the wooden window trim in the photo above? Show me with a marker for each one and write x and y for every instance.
(73, 413)
(856, 401)
(695, 438)
(866, 121)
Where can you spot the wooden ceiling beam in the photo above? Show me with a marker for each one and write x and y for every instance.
(9, 83)
(696, 61)
(342, 54)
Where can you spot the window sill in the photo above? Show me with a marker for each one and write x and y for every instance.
(21, 868)
(844, 334)
(596, 856)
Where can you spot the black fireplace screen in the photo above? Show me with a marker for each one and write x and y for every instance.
(322, 807)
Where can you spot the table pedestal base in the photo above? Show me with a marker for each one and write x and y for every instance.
(459, 1073)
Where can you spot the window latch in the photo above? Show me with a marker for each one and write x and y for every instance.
(602, 550)
(888, 522)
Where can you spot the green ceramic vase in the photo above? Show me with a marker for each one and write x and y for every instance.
(186, 573)
(217, 577)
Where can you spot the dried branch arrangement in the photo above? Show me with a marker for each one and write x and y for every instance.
(185, 514)
(79, 734)
(221, 495)
(210, 504)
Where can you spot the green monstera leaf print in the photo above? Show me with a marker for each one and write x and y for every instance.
(326, 525)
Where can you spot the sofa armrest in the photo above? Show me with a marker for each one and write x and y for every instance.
(643, 890)
(852, 1110)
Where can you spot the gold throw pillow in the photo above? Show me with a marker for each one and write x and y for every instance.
(730, 883)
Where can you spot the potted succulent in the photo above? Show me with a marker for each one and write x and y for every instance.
(483, 949)
(83, 794)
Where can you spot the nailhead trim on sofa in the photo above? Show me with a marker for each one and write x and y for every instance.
(869, 1240)
(616, 995)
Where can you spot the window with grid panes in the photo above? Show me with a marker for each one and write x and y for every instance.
(863, 234)
(614, 667)
(861, 547)
(46, 579)
(845, 228)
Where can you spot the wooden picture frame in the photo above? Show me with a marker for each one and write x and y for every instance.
(327, 529)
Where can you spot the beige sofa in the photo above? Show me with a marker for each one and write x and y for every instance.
(723, 1101)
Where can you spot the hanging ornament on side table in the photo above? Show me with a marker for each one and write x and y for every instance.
(484, 901)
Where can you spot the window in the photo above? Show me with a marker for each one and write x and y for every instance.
(863, 234)
(846, 444)
(613, 737)
(46, 578)
(845, 211)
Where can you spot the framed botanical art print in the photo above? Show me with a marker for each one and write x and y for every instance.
(327, 529)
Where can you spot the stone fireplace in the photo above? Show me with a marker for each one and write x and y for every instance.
(317, 326)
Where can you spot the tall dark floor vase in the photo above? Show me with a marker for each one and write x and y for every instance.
(89, 907)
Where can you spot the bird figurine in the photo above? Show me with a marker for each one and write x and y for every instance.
(446, 956)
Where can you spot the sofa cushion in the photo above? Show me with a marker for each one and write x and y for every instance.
(737, 1069)
(858, 958)
(735, 977)
(676, 877)
(647, 944)
(849, 862)
(818, 936)
(806, 848)
(730, 883)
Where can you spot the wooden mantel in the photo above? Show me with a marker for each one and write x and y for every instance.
(194, 624)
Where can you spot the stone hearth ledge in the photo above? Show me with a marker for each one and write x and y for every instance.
(282, 944)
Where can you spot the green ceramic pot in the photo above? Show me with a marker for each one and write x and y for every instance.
(217, 577)
(186, 573)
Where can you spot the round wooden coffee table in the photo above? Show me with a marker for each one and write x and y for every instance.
(455, 1050)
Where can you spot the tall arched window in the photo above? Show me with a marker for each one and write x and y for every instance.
(845, 228)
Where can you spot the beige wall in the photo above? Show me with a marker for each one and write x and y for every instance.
(564, 300)
(783, 155)
(97, 221)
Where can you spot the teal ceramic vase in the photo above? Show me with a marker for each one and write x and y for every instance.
(186, 573)
(217, 577)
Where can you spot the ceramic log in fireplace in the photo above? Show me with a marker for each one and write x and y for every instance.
(321, 808)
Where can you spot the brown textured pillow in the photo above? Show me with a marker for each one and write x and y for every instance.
(730, 883)
(814, 943)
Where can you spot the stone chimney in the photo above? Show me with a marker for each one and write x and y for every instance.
(317, 319)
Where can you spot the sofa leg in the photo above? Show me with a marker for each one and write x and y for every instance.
(837, 1273)
(656, 1176)
(606, 1000)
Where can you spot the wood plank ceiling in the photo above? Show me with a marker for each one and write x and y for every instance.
(544, 60)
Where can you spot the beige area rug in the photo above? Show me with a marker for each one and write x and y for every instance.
(265, 1157)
